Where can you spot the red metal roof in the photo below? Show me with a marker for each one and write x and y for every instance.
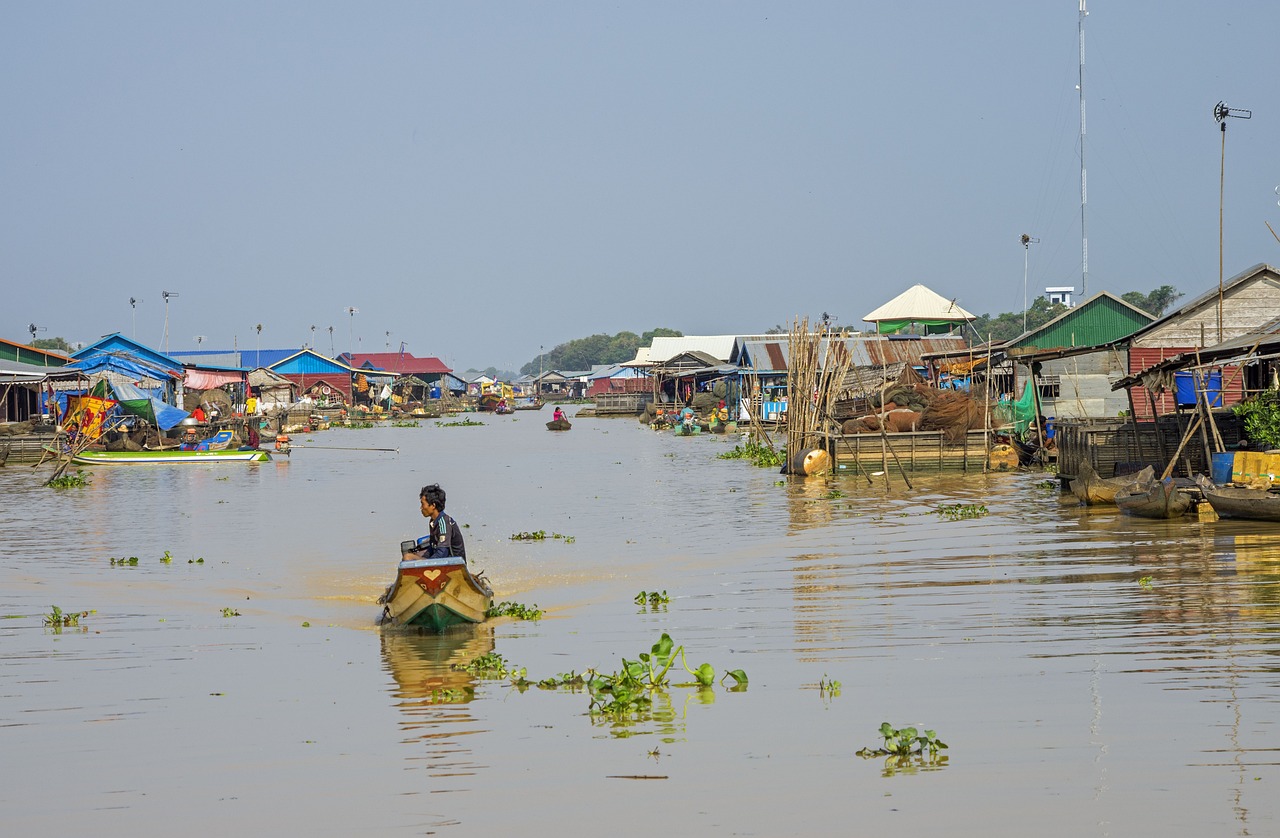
(402, 363)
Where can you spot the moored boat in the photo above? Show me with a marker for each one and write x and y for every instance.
(434, 594)
(1153, 499)
(1238, 502)
(174, 455)
(1095, 490)
(559, 425)
(530, 404)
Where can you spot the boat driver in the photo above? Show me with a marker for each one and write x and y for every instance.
(445, 537)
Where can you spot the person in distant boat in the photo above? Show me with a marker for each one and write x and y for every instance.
(445, 537)
(558, 415)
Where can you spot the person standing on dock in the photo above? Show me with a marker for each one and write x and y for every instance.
(445, 537)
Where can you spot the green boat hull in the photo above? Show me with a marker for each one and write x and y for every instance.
(133, 458)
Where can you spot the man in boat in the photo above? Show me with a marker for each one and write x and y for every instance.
(445, 537)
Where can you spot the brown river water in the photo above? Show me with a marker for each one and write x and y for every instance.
(1092, 674)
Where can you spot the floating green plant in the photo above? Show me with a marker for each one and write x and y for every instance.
(834, 494)
(514, 609)
(960, 511)
(541, 535)
(463, 423)
(828, 687)
(230, 612)
(1048, 485)
(901, 742)
(58, 618)
(652, 598)
(761, 455)
(132, 561)
(167, 558)
(1145, 582)
(69, 481)
(405, 425)
(353, 425)
(196, 561)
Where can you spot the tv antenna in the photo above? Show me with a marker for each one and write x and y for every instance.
(331, 351)
(33, 328)
(1221, 112)
(313, 336)
(199, 339)
(167, 295)
(133, 304)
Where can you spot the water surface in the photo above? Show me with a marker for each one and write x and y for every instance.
(1093, 674)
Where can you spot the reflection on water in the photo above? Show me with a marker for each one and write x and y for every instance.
(1092, 673)
(433, 695)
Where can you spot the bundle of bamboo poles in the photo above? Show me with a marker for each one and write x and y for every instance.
(817, 362)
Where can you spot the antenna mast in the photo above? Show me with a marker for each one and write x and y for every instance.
(1084, 181)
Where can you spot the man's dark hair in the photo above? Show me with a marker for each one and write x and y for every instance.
(434, 494)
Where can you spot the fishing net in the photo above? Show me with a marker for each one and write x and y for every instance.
(1024, 410)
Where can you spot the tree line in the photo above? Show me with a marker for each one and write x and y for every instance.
(584, 353)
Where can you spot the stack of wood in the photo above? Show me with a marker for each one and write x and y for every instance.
(814, 377)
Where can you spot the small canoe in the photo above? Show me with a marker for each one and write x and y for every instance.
(435, 594)
(529, 405)
(175, 455)
(1156, 499)
(1094, 490)
(1235, 502)
(559, 425)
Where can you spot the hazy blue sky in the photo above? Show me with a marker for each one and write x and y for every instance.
(482, 179)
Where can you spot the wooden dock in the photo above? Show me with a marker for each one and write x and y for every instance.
(26, 448)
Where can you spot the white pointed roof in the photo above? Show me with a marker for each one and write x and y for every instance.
(919, 303)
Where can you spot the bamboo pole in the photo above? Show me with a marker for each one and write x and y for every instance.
(1191, 429)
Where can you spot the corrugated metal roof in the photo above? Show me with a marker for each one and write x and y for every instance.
(1103, 318)
(866, 350)
(719, 347)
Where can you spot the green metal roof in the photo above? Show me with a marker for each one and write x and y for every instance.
(1101, 319)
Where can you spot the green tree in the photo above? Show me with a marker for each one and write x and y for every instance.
(1155, 303)
(1008, 326)
(56, 344)
(584, 353)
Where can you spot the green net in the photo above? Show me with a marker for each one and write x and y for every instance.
(1024, 409)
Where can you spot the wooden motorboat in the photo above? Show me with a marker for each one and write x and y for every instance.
(173, 455)
(559, 425)
(1154, 499)
(434, 594)
(531, 404)
(1094, 490)
(1236, 502)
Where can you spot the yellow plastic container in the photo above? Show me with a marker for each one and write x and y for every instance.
(1250, 465)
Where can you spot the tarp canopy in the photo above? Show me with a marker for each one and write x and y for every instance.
(133, 367)
(198, 379)
(137, 403)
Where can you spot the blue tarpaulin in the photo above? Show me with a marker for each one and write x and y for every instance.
(138, 403)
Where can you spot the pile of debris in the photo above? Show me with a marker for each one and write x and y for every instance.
(916, 406)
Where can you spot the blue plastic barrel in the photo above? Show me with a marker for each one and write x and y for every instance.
(1222, 467)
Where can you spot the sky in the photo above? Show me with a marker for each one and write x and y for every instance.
(483, 181)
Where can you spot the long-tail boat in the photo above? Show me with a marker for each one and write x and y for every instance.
(434, 594)
(1095, 490)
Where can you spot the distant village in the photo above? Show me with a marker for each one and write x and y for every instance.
(1101, 361)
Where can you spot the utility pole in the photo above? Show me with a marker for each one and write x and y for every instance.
(1220, 113)
(1027, 241)
(352, 311)
(257, 361)
(331, 350)
(167, 295)
(1084, 181)
(313, 336)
